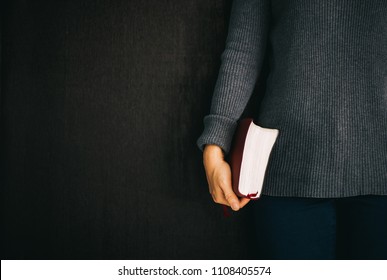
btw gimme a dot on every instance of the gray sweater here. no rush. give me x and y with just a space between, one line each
326 92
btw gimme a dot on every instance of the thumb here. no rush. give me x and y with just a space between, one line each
231 198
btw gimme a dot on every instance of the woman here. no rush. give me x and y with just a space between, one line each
325 188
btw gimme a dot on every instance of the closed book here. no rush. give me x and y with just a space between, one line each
248 157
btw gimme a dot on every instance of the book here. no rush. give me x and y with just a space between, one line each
248 157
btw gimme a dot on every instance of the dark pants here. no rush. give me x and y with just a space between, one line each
321 228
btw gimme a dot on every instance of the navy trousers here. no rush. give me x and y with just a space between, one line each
321 228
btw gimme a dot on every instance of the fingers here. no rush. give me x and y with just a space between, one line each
218 194
218 198
231 198
222 192
243 201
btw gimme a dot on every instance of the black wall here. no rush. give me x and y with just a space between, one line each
101 105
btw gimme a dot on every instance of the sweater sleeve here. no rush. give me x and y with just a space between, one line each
241 63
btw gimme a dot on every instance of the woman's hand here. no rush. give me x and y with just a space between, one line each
218 175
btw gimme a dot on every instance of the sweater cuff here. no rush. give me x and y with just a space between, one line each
218 130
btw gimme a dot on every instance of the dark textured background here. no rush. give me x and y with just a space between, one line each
101 105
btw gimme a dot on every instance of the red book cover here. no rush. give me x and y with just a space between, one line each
236 153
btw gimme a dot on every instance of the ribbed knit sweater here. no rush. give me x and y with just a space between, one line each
326 92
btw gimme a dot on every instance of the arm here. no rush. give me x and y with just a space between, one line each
241 63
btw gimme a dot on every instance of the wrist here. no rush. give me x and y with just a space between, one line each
213 150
